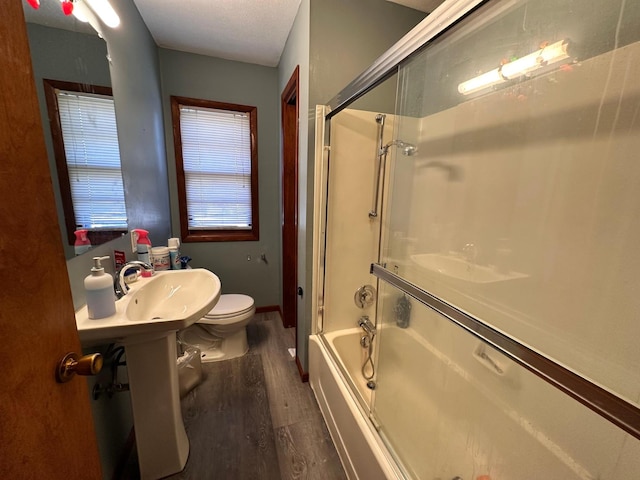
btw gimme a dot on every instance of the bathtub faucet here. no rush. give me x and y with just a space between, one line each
366 325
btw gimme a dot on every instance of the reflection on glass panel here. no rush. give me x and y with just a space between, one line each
521 205
451 406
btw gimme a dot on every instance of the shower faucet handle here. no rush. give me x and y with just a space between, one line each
367 325
365 296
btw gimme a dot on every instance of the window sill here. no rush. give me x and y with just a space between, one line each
220 236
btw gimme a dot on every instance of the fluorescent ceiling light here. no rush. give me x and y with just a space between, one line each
538 60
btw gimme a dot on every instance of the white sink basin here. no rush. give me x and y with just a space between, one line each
168 301
459 269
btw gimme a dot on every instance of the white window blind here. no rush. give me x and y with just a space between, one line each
90 139
216 155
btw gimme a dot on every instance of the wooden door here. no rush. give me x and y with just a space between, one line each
46 429
289 108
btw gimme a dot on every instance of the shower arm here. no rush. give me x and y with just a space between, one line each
381 155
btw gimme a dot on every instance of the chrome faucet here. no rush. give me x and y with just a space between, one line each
366 325
119 285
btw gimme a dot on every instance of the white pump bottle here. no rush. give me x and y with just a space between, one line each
101 299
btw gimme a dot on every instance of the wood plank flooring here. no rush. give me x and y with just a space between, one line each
228 423
304 446
252 418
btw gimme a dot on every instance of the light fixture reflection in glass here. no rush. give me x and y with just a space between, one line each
540 59
480 82
105 12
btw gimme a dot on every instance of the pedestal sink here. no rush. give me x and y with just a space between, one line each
145 322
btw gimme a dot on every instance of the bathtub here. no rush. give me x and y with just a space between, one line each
422 393
361 451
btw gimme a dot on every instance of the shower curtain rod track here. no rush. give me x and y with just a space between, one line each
608 405
443 17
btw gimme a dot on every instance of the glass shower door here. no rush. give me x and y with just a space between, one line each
449 405
520 211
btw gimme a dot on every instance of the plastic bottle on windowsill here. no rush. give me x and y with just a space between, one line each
184 261
82 243
143 247
174 253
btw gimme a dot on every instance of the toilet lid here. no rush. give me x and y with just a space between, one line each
231 304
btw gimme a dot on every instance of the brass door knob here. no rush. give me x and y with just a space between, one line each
72 364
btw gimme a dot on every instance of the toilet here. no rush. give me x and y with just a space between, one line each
222 334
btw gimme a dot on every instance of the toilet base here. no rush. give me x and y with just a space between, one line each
222 348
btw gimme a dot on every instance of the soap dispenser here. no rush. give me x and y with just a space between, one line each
101 299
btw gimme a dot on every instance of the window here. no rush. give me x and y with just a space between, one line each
85 142
217 169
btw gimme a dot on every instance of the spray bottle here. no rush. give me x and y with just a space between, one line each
82 243
143 247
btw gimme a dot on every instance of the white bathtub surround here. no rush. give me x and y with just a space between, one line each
353 235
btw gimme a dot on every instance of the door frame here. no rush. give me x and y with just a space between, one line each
289 103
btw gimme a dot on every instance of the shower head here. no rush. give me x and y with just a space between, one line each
408 149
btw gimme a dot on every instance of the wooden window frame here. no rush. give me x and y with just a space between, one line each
96 237
215 235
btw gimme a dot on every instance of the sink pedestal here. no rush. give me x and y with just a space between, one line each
162 443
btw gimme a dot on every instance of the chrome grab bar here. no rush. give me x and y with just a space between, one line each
380 153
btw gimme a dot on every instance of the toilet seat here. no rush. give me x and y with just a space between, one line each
229 309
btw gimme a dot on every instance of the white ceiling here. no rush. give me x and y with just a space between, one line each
252 31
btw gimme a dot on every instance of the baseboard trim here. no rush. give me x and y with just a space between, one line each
304 376
269 308
127 450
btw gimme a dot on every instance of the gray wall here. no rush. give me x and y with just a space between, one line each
238 264
342 43
73 57
296 53
135 79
